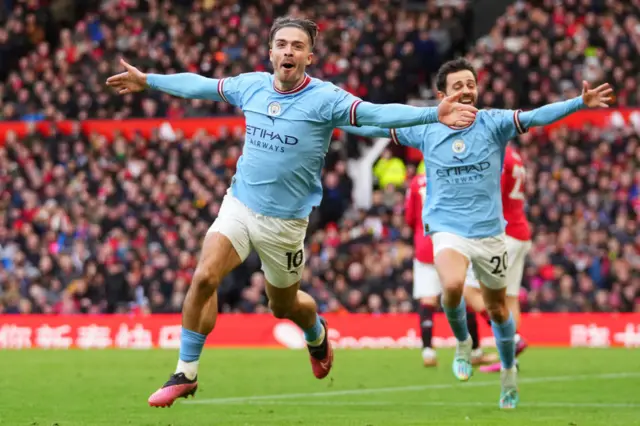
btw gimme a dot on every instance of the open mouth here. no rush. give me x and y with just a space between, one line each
287 66
466 101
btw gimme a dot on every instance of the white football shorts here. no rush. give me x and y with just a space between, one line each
517 251
426 282
488 256
278 242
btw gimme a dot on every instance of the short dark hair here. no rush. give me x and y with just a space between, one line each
450 67
306 25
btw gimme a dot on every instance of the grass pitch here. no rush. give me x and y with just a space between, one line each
571 387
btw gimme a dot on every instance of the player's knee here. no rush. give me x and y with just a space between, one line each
205 280
280 311
497 310
453 288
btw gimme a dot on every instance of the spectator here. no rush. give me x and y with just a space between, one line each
390 170
168 37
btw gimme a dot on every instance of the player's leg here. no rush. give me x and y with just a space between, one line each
490 265
426 309
224 247
517 252
517 257
504 330
200 309
280 245
475 304
451 263
473 299
426 289
299 307
513 304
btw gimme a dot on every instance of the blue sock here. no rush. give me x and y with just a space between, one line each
505 334
311 334
457 318
191 344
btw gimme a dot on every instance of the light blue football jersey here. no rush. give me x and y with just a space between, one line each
287 133
287 138
463 166
463 170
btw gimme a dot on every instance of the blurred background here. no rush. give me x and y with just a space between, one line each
110 221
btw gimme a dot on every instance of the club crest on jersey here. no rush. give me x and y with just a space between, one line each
274 109
458 146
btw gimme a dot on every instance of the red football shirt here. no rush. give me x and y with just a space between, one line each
512 184
414 201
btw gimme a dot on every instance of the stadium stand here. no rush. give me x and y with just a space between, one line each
355 50
92 226
539 51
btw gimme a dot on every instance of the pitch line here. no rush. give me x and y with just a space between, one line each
414 388
442 404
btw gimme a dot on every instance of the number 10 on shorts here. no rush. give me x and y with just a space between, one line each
294 260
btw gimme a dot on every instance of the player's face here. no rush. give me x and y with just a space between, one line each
462 81
290 54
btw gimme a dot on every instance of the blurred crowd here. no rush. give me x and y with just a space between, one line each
88 225
92 226
373 48
584 204
540 51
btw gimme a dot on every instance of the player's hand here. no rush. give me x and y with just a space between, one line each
454 114
600 97
130 81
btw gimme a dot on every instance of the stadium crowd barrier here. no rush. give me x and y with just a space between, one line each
353 331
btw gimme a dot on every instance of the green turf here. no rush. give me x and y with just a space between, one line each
80 388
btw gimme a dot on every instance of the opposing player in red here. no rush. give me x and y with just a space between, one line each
518 242
426 283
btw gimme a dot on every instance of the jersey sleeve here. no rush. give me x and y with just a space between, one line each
507 124
230 89
367 131
194 86
409 136
510 123
349 110
341 105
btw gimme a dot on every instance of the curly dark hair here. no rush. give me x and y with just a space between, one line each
450 67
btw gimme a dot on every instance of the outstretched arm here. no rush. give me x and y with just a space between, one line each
518 122
408 136
599 97
184 85
367 131
549 113
394 115
350 110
